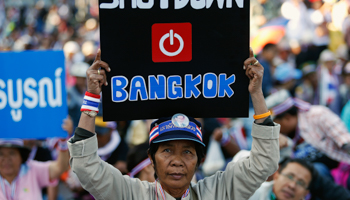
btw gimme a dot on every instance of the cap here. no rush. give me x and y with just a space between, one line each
79 69
177 127
327 55
16 143
308 68
102 127
285 72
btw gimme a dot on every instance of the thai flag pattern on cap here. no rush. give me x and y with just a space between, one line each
168 126
153 133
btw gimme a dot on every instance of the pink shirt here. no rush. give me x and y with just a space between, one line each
33 176
325 131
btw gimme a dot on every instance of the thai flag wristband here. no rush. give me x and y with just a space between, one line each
62 145
91 102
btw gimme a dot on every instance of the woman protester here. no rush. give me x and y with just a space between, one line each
175 152
23 178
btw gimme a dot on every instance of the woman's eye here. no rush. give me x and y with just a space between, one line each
167 150
188 152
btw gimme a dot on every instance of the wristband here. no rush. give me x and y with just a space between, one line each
62 145
91 102
262 115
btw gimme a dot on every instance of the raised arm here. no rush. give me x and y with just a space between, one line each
251 172
255 72
241 179
99 178
96 77
60 165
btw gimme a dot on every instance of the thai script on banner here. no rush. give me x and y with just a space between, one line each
33 96
30 93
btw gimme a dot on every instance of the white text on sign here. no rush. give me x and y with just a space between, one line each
32 98
171 87
164 4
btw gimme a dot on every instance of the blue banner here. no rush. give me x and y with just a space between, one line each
32 94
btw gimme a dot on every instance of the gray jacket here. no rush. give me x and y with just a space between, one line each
239 181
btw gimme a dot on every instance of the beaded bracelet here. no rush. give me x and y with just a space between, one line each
62 145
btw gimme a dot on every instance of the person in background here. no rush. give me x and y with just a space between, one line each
342 58
139 165
291 181
111 148
307 90
295 179
345 115
329 82
75 94
318 134
286 77
42 154
21 178
228 143
268 53
137 132
344 88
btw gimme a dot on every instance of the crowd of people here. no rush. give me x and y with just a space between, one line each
306 85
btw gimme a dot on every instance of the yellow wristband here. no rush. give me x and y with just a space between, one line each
262 115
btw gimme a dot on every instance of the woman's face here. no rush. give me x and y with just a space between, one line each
10 161
176 163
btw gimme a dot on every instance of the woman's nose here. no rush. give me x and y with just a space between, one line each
177 161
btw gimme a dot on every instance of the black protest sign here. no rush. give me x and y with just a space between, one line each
175 56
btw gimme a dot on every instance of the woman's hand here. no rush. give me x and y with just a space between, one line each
96 75
255 72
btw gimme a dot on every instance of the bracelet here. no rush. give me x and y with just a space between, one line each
262 115
91 102
62 145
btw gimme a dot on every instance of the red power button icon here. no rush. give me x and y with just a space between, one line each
172 42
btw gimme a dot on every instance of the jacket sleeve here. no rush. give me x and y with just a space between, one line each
101 179
241 179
